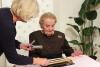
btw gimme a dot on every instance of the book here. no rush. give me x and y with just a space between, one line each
60 62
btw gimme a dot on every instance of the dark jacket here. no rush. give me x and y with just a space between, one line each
8 43
53 46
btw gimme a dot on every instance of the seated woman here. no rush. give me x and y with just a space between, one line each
53 42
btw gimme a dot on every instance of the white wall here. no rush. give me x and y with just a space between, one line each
97 39
64 9
2 61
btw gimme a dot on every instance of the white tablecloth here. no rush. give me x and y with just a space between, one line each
80 61
84 61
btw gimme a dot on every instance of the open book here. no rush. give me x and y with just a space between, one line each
59 62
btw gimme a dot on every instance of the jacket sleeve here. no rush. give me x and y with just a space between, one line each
17 44
31 38
7 43
67 50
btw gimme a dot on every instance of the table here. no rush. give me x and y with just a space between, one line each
84 61
80 61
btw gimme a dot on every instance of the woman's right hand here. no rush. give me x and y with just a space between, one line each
41 61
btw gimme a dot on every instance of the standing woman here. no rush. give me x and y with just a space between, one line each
19 11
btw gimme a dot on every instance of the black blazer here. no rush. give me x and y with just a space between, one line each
53 46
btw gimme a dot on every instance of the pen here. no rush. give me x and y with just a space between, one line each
36 46
32 42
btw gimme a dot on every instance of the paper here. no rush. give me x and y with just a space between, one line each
84 61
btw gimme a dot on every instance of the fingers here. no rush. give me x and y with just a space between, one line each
27 47
77 53
41 61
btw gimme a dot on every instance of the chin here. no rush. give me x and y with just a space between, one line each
50 35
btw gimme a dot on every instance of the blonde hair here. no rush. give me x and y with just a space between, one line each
45 16
25 9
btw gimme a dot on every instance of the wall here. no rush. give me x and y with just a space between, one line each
64 9
97 39
0 3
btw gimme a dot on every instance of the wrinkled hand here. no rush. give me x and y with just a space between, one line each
41 61
26 46
77 53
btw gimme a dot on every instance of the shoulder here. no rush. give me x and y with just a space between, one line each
5 14
35 32
4 10
58 32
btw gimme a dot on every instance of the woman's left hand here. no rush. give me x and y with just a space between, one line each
77 53
26 46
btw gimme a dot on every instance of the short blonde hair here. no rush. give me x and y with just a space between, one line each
45 16
25 9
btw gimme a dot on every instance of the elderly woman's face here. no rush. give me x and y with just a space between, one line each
48 26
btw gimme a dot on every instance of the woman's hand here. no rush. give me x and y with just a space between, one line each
26 46
77 53
41 61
